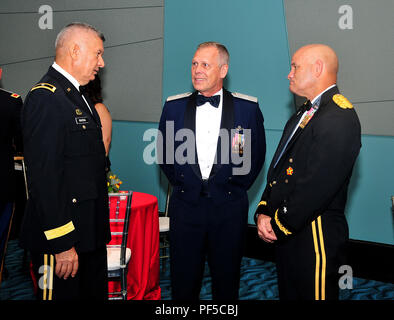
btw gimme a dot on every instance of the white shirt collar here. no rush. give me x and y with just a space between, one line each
66 74
71 79
315 98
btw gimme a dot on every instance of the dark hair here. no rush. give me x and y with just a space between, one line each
93 90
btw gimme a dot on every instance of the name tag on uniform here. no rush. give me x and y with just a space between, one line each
81 120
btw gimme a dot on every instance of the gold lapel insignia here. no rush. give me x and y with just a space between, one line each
78 112
47 86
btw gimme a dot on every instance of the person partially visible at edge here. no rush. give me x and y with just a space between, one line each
10 145
94 92
208 207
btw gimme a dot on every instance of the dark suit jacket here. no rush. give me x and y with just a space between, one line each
223 185
312 176
65 159
10 141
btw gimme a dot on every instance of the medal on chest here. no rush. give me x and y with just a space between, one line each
238 141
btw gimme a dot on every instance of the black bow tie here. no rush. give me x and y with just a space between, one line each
214 100
83 90
306 106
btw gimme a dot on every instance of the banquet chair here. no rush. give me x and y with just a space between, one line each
118 255
164 227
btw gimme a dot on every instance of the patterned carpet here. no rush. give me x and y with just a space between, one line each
258 282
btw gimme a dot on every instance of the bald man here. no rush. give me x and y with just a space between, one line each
66 223
302 207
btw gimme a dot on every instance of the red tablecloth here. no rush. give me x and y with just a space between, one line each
143 240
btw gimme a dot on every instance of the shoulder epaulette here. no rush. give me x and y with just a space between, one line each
342 102
244 96
12 94
179 96
47 86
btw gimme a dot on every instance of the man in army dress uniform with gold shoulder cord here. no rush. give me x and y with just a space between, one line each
302 207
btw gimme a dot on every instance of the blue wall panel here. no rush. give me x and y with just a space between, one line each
369 205
126 157
255 33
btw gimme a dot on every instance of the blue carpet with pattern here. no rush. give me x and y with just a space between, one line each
258 282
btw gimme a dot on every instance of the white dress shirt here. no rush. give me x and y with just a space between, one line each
71 79
208 120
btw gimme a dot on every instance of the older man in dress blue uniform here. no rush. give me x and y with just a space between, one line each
224 152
